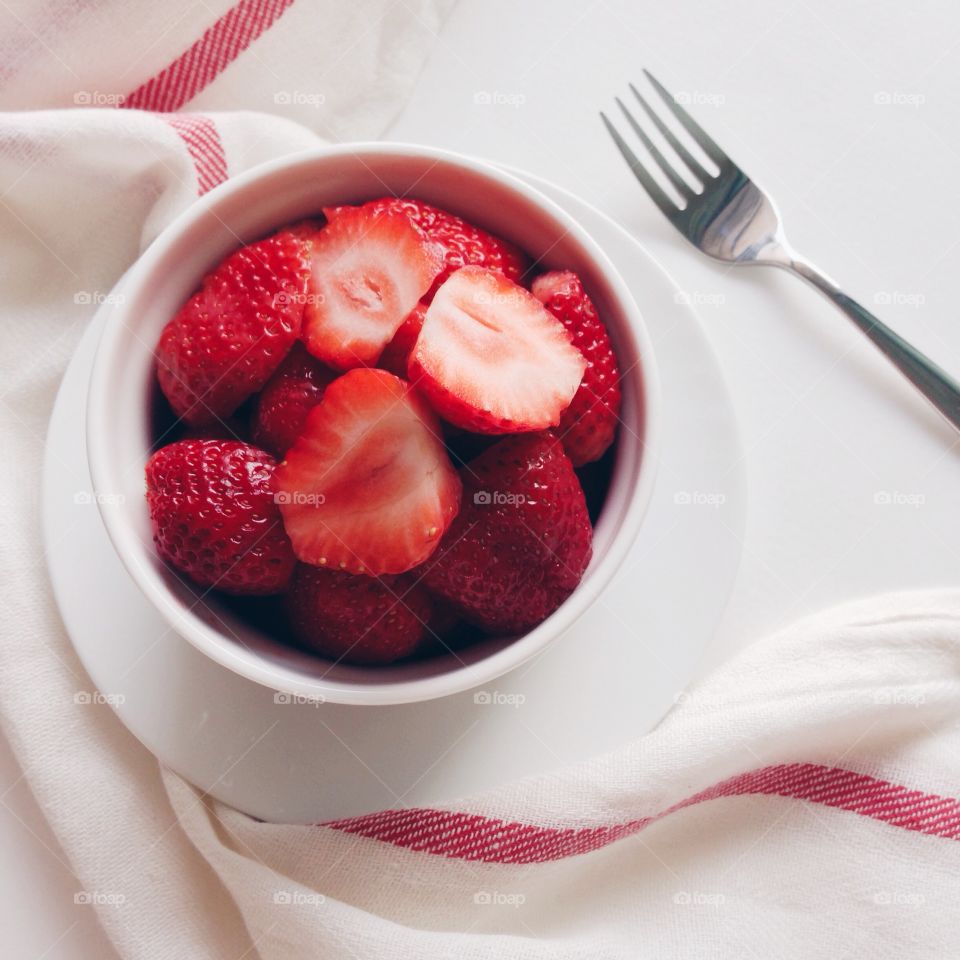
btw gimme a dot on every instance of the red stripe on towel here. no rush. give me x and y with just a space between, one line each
199 65
468 836
200 135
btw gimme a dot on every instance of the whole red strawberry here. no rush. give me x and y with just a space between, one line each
214 516
462 243
522 539
289 395
229 337
357 619
589 424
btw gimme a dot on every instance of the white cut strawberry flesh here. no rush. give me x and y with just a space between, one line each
368 270
490 358
368 486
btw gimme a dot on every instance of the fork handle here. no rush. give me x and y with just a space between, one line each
933 382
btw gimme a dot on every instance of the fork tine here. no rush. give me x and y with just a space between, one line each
693 128
681 185
666 205
681 151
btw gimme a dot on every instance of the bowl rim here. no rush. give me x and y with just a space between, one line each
287 679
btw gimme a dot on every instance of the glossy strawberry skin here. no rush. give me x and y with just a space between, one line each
589 425
521 541
463 244
356 619
295 388
230 336
214 516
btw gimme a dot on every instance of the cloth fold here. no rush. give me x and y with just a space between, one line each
800 802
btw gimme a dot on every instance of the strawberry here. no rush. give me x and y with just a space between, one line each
462 243
357 619
228 338
522 539
368 487
396 355
214 516
589 424
368 270
288 396
490 358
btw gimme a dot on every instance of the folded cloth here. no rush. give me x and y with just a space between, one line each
799 803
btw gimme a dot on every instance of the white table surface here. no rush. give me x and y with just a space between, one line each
848 114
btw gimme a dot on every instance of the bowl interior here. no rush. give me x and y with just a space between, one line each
121 428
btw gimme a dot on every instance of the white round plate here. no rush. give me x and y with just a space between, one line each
609 679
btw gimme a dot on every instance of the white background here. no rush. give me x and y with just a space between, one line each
850 115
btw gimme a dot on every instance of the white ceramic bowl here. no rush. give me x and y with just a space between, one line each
119 428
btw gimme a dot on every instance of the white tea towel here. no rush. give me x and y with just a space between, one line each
800 803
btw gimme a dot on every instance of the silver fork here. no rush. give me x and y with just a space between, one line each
734 221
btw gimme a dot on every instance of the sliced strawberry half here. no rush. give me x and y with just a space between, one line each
368 486
492 359
368 271
462 243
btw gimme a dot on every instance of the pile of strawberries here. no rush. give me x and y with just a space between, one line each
381 423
